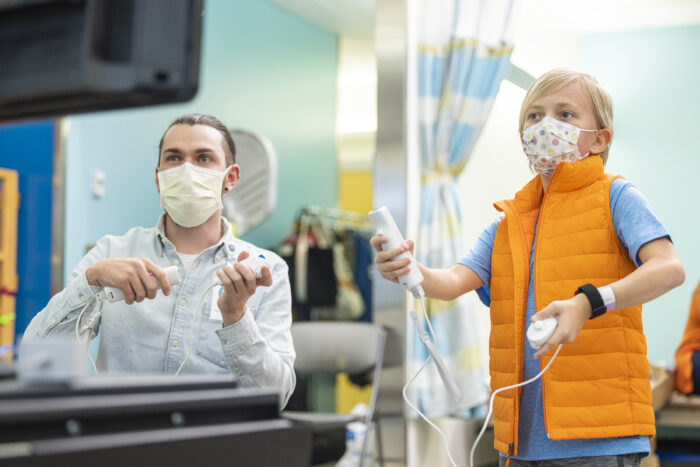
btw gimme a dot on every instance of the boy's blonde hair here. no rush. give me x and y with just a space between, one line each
556 79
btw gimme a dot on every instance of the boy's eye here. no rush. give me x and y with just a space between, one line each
532 116
566 114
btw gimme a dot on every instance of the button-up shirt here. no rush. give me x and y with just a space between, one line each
154 336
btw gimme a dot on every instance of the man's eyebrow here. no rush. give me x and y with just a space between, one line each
197 151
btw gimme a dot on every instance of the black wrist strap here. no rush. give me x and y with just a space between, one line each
597 305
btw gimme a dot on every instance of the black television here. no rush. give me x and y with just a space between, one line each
147 421
61 57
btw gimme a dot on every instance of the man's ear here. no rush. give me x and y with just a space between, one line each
157 184
232 177
602 141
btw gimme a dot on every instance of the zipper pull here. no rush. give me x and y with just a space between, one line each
511 447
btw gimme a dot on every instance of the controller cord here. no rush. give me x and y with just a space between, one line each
486 422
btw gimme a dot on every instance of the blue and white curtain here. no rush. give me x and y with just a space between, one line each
463 54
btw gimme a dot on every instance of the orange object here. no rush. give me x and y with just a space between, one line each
689 344
9 205
598 386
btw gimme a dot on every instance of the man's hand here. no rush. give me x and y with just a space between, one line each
133 276
239 285
571 315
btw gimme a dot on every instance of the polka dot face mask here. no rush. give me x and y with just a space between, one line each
549 142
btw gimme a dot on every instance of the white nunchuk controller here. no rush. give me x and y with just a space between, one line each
384 225
540 331
255 264
114 294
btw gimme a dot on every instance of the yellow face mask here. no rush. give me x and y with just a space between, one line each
191 194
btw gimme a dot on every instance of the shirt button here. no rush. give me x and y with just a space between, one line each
182 302
238 373
218 257
223 341
82 298
176 343
53 321
176 261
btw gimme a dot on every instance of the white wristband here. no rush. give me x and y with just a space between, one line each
608 297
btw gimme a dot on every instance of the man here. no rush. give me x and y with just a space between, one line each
242 326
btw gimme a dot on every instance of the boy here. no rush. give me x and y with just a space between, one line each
586 248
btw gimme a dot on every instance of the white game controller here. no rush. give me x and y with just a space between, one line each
255 264
540 331
113 294
385 225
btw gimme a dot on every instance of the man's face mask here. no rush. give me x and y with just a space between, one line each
191 194
549 142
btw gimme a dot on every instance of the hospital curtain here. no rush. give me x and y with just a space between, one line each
463 54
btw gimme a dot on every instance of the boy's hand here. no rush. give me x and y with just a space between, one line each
389 268
571 315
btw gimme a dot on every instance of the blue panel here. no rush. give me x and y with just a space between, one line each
28 148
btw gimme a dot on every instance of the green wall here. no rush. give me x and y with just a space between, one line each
263 69
653 78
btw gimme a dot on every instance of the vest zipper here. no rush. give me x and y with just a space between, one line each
511 446
534 283
520 370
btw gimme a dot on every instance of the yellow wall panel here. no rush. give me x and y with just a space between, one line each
355 194
355 191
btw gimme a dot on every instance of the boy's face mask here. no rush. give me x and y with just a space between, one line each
191 194
549 142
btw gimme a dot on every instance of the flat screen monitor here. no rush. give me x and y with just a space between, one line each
61 57
146 421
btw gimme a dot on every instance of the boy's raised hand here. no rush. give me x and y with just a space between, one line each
389 268
571 315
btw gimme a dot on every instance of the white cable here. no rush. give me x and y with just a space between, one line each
194 318
100 297
488 416
418 293
405 397
77 325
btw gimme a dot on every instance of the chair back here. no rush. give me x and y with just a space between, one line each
334 347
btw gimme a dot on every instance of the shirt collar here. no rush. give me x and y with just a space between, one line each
228 242
160 234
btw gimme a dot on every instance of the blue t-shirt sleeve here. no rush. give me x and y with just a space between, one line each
479 259
635 221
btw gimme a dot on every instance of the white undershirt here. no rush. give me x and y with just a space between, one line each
187 260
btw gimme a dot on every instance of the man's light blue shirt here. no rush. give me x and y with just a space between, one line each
154 336
635 224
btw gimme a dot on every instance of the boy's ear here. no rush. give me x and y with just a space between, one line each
602 141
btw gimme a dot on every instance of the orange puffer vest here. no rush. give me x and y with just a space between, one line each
598 386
